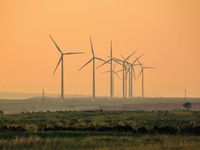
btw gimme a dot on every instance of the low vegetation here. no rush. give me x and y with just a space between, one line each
99 129
187 105
158 142
176 122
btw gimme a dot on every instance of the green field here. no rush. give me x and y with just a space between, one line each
32 121
31 139
102 142
37 114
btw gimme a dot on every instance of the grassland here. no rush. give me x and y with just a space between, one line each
51 113
31 139
33 121
158 142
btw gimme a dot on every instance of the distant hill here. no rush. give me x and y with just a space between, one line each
16 95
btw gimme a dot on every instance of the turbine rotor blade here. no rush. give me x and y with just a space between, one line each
127 70
86 64
137 58
92 46
100 59
149 67
135 64
105 71
139 74
130 55
117 62
58 64
119 70
103 64
133 71
114 66
117 59
122 57
56 44
125 66
127 61
139 62
73 53
117 75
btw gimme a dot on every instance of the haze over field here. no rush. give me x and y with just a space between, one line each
167 32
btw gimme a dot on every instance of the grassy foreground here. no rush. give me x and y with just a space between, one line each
65 116
149 142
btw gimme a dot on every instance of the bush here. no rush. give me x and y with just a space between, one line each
87 121
159 112
166 113
187 105
42 125
72 122
1 111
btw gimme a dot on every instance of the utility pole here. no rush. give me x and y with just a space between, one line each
43 98
185 93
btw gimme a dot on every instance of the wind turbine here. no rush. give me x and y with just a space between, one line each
141 72
92 59
113 72
124 68
62 72
130 71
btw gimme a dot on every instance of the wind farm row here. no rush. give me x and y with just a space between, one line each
127 70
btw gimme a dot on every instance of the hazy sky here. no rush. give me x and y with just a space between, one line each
166 31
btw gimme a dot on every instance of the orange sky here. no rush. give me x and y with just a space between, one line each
167 32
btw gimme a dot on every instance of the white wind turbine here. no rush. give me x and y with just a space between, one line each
92 59
125 76
61 60
141 72
131 74
124 68
111 70
112 78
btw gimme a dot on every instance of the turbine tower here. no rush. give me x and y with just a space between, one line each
62 72
113 72
131 73
141 72
92 59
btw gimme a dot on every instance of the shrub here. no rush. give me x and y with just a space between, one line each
1 111
87 120
166 113
159 113
42 125
187 105
72 122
